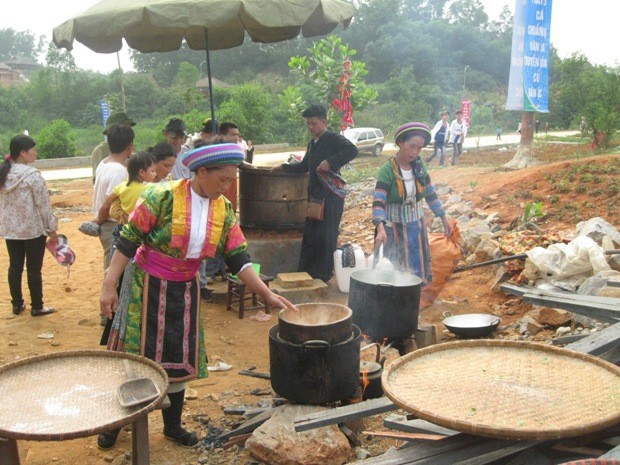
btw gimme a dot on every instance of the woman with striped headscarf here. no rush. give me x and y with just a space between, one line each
173 228
397 209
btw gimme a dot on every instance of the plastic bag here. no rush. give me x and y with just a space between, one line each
445 254
581 256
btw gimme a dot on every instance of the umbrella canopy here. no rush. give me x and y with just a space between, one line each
161 25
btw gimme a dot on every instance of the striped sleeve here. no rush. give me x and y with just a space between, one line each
382 191
432 199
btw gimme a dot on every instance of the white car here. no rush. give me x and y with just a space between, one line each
369 140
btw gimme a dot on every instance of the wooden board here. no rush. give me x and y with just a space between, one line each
400 423
249 425
292 280
427 450
342 414
598 343
602 308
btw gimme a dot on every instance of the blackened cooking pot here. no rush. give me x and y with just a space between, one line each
471 325
385 303
316 321
314 372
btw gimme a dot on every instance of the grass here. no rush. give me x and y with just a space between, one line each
358 174
147 135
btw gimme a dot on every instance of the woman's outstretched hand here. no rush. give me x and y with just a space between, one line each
275 300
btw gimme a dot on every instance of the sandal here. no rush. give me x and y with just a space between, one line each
219 366
181 436
41 311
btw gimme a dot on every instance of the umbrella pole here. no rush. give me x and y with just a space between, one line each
213 130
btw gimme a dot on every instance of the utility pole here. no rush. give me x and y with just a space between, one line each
464 79
122 76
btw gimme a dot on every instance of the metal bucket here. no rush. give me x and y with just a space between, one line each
272 200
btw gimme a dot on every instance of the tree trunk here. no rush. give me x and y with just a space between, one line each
525 153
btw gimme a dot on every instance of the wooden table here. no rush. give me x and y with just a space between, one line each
70 395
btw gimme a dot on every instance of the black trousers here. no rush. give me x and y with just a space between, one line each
320 241
30 251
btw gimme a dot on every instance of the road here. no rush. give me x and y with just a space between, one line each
271 159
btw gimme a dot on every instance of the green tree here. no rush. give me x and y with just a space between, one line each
318 77
468 12
143 97
188 75
164 66
15 44
56 140
602 111
250 106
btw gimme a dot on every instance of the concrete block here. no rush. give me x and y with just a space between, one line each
300 295
276 254
292 280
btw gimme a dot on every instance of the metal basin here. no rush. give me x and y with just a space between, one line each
471 325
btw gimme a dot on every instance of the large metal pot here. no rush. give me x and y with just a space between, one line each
385 303
471 325
316 321
314 372
272 200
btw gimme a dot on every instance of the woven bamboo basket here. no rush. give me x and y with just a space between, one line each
506 389
71 394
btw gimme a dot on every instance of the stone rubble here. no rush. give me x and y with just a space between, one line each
483 239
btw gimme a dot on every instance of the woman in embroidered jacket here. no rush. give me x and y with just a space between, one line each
397 208
26 222
174 226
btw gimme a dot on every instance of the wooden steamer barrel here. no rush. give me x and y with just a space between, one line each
272 200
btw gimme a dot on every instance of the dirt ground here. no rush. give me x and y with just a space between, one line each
243 343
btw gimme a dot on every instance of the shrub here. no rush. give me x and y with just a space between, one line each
56 140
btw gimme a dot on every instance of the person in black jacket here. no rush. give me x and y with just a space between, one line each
326 153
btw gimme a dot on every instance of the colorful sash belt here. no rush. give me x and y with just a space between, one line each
164 266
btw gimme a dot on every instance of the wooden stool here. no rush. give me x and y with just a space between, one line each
237 295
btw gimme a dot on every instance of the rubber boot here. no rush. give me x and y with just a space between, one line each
107 440
172 422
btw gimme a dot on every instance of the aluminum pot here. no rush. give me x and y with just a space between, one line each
385 303
471 325
314 372
316 321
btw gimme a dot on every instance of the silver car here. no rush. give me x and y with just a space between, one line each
369 140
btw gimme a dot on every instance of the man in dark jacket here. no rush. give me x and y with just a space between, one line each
327 152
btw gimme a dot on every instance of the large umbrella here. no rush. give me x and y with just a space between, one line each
162 25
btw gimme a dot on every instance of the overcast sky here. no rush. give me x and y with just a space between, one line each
575 26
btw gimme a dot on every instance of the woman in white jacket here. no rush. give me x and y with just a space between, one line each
26 220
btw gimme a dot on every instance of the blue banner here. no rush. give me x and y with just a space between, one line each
514 99
105 111
536 56
528 85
